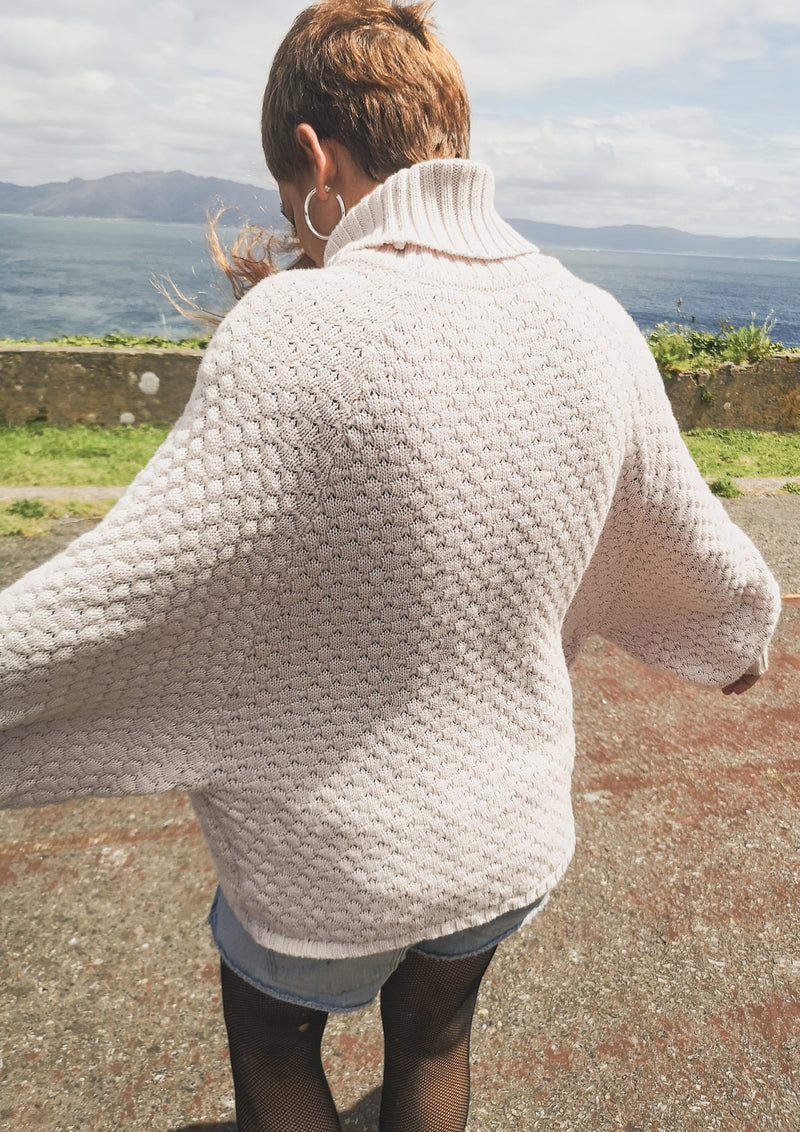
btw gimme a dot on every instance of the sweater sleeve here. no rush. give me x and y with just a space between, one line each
119 656
673 580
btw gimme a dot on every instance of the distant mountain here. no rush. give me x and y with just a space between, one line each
182 198
640 238
168 197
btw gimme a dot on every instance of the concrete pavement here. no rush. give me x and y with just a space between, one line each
658 992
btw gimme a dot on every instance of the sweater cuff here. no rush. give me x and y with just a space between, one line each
759 665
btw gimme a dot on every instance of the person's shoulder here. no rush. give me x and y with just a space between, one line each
282 340
573 288
594 309
278 308
281 296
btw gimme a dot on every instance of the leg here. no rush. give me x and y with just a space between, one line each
426 1008
278 1079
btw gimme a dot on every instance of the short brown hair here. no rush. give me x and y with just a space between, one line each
371 75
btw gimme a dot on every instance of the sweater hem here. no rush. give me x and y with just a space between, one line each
336 949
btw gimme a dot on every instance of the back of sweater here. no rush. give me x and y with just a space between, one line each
348 571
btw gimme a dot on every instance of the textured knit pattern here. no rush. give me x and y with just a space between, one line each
331 606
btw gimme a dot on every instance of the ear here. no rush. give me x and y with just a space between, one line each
321 158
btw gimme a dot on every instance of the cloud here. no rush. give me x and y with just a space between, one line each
515 47
677 166
88 88
584 109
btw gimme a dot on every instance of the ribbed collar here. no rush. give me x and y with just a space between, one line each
443 205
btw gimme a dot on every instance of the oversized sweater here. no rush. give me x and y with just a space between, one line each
338 605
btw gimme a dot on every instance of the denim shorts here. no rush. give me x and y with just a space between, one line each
340 985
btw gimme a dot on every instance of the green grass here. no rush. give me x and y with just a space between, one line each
744 452
115 340
32 516
678 347
38 455
725 487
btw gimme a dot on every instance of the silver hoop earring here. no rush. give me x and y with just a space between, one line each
310 226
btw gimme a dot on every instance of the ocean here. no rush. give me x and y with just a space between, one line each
79 276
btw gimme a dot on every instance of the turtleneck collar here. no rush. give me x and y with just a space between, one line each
443 205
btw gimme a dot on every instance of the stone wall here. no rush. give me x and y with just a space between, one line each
765 396
88 385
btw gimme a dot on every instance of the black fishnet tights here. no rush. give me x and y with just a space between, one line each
278 1079
426 1009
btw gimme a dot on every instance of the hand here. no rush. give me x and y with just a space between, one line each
740 685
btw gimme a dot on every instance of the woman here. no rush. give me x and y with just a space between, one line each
335 606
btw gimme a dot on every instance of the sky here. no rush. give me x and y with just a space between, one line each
590 112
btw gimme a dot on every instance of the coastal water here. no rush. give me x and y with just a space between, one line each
79 276
699 290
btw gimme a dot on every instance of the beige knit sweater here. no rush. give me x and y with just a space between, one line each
331 606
